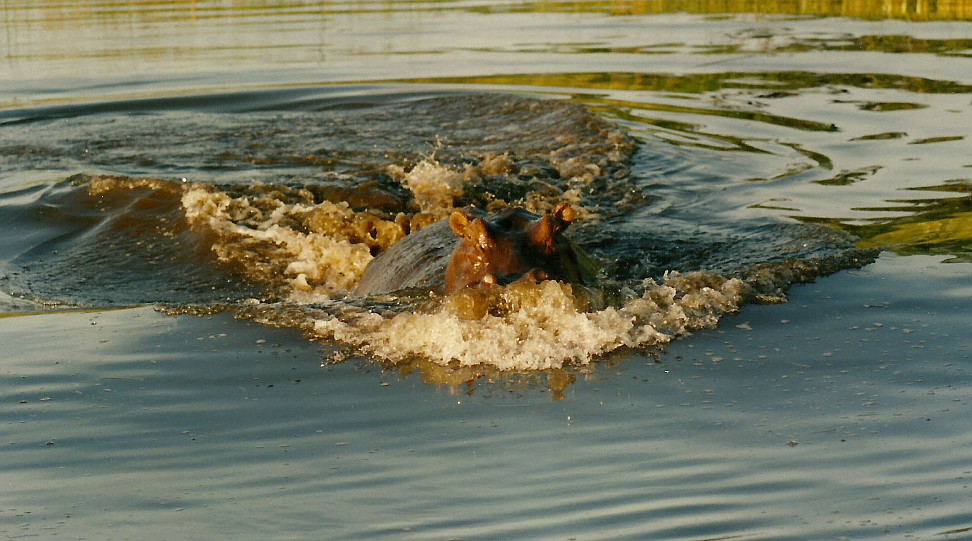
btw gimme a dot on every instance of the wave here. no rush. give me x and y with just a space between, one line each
278 224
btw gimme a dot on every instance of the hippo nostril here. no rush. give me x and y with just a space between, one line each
535 275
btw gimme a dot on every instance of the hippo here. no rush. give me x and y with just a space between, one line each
473 248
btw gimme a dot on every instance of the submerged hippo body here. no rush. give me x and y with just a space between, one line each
473 247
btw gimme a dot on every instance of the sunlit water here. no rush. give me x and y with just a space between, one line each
212 160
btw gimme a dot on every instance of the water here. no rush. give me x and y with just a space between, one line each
208 160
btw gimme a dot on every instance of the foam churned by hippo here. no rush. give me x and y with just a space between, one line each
473 247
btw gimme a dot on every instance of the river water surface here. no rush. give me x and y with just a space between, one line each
777 200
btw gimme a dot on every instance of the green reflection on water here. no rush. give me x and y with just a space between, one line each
916 10
622 110
895 43
940 226
883 106
937 226
849 177
943 139
186 10
777 85
758 116
881 136
697 83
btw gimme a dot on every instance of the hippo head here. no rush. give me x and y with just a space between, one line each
501 248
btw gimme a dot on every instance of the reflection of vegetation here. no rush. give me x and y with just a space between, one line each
682 128
792 170
882 106
895 44
849 177
770 204
915 10
933 226
881 136
697 83
777 84
758 116
918 10
943 139
883 44
821 159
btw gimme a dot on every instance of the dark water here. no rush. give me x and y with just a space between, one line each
717 158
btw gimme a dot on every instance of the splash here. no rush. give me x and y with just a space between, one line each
313 250
434 186
542 326
320 249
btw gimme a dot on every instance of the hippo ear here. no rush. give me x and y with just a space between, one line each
563 215
473 230
458 223
542 231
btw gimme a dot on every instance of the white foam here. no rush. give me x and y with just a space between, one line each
318 251
433 185
318 247
537 326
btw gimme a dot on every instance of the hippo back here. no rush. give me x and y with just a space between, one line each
418 260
